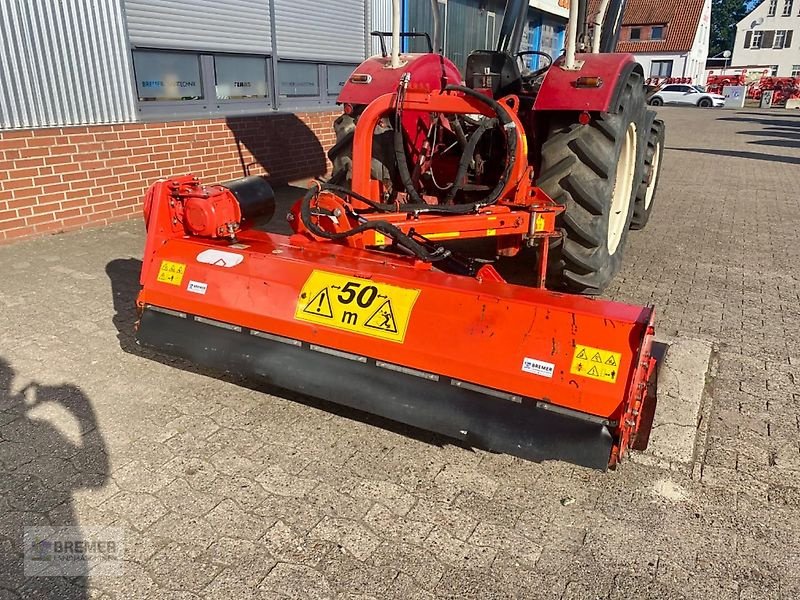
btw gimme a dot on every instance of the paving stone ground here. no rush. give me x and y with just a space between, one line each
224 491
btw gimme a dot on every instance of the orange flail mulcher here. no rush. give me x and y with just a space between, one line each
365 305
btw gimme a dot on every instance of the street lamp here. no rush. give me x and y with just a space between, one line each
725 54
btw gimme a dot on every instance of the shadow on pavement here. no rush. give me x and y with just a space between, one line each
124 277
776 121
792 160
43 461
777 143
779 132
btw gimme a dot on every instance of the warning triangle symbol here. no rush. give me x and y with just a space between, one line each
582 354
320 305
611 362
383 318
593 371
597 358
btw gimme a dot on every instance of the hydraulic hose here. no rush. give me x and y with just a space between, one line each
400 238
507 125
400 150
466 158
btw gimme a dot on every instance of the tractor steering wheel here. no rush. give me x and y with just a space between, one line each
531 74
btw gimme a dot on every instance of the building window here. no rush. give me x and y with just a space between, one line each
795 70
773 71
298 80
337 76
303 84
167 76
756 41
773 7
240 77
787 8
661 68
780 38
657 33
636 33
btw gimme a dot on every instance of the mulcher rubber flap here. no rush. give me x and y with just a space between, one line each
520 429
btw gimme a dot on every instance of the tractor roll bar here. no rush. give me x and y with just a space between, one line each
514 19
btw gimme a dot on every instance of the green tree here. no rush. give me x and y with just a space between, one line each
725 14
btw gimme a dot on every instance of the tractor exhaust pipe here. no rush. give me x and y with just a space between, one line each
437 27
570 63
395 34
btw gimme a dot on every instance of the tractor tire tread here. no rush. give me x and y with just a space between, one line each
578 171
655 136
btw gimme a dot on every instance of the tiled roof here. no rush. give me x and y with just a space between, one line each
681 17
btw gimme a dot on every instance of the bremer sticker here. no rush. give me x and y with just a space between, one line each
197 287
538 367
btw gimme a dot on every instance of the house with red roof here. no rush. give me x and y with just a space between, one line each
669 37
768 39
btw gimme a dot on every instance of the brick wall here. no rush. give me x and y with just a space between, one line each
60 179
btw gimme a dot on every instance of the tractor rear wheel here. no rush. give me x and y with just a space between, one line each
594 171
654 152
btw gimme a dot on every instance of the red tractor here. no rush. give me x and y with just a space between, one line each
591 144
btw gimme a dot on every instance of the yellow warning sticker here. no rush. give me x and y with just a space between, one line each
358 305
171 272
595 363
538 223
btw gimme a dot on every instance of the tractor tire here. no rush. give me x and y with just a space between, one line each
341 153
646 192
594 170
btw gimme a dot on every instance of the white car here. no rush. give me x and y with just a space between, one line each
686 94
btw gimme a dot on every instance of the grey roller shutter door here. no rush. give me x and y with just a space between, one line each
312 29
207 25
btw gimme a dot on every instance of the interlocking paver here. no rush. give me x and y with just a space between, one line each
227 491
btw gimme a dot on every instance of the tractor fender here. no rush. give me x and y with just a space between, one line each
559 90
374 77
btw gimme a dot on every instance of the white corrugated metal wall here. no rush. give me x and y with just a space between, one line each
381 20
68 62
64 63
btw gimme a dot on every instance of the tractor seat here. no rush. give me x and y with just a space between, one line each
494 70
